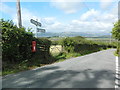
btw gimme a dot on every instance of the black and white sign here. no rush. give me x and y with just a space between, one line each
40 30
35 22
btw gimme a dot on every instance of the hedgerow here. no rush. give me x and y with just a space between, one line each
16 42
83 46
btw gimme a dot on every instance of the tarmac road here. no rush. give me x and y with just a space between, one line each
96 70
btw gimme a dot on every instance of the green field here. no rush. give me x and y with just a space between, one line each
88 38
102 39
56 38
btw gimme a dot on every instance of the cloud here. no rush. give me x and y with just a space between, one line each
90 21
67 7
89 14
106 4
73 6
98 21
88 26
48 20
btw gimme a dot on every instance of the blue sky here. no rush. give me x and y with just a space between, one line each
64 16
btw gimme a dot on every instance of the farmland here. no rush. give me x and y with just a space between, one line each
101 39
88 38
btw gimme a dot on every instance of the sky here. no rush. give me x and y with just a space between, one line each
64 16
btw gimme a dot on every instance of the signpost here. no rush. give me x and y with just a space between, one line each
40 30
36 23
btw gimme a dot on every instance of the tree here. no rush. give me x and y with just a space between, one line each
116 31
116 35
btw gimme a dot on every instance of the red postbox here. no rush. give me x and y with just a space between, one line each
33 46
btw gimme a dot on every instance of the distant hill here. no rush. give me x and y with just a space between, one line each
72 34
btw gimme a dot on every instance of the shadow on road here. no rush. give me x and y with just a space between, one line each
54 77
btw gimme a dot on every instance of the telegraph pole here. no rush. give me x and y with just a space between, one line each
118 21
19 14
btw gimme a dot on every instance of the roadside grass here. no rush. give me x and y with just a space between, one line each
63 56
60 55
19 67
116 52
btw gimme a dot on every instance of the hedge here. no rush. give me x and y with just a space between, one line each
83 46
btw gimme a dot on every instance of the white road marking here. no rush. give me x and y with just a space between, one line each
116 80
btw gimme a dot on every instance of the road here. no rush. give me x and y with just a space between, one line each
96 70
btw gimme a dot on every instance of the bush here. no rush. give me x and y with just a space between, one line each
68 44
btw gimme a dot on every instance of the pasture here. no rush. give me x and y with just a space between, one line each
99 39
